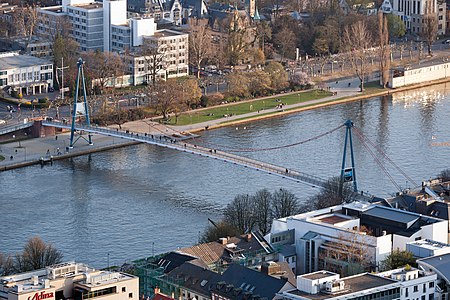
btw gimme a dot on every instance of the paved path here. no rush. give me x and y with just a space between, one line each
340 89
32 150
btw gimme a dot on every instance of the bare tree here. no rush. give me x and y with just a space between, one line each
199 42
166 96
384 48
430 26
349 254
284 203
241 38
330 194
37 254
154 55
239 213
445 175
102 66
214 232
285 40
262 210
6 264
357 40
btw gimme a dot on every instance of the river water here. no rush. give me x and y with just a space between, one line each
135 201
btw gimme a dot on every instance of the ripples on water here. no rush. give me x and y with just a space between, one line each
122 201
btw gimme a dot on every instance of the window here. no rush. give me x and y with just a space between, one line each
24 76
130 295
431 284
407 292
124 289
416 288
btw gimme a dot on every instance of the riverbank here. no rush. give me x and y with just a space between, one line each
48 149
342 96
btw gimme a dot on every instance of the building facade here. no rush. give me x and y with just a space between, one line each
345 238
69 281
25 74
169 61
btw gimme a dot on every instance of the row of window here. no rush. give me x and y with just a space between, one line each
31 76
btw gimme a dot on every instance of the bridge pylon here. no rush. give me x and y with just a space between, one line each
80 109
348 174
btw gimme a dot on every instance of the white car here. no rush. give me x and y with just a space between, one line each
2 122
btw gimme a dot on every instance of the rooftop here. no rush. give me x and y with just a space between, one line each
334 219
439 263
429 244
318 275
13 60
353 284
94 5
40 279
167 33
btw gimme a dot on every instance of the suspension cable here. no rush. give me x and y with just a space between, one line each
377 160
230 149
385 156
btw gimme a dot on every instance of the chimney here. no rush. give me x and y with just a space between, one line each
156 290
35 280
223 241
46 283
248 237
270 268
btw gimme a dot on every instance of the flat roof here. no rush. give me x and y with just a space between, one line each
167 33
21 61
354 284
89 5
334 219
318 275
396 215
428 244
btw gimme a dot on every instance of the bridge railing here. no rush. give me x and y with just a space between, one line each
14 127
173 143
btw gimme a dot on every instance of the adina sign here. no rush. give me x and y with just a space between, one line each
41 295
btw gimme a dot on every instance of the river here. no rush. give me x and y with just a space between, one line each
142 200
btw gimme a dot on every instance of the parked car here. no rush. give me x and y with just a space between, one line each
2 122
446 41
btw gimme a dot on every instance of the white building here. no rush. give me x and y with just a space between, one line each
427 248
373 229
401 284
25 74
85 18
327 285
406 76
172 47
114 13
69 281
414 283
439 264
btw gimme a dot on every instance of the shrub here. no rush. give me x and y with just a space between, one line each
204 101
43 100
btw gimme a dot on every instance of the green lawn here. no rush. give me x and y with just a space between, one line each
243 108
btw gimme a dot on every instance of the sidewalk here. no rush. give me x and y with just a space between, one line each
341 89
29 152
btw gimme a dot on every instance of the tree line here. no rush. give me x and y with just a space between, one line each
249 212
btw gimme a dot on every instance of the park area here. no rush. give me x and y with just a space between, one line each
259 105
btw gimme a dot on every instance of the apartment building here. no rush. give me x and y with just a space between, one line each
25 74
333 238
69 281
400 284
170 61
85 21
413 13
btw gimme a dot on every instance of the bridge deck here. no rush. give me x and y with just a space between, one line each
173 143
15 127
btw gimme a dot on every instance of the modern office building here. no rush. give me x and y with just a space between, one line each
346 237
69 281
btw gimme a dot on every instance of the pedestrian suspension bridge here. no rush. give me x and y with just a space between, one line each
225 153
